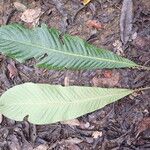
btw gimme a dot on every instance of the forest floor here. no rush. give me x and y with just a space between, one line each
123 125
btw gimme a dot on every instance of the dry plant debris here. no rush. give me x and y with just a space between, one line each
94 24
126 20
19 6
31 16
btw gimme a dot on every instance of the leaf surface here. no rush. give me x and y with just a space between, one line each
52 103
50 52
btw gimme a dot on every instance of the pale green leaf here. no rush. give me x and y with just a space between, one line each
50 52
51 103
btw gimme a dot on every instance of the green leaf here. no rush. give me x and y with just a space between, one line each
45 46
51 103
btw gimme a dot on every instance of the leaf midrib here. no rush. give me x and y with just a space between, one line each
71 54
71 102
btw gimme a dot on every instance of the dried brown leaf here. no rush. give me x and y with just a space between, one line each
126 20
13 72
143 125
19 6
94 24
97 134
73 122
31 15
118 47
108 80
41 147
74 141
13 144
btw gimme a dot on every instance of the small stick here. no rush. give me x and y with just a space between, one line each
142 89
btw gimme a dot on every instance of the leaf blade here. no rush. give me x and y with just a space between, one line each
74 53
51 103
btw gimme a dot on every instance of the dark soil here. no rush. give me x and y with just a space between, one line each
124 125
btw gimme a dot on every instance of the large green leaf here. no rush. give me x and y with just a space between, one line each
51 103
45 46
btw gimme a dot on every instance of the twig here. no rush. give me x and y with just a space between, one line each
75 15
144 67
141 67
10 16
142 89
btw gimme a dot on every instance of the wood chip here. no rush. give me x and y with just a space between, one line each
66 81
107 73
84 125
126 20
87 125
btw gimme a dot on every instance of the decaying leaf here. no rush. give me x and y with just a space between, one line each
73 140
143 125
31 15
126 20
13 72
107 73
41 147
86 125
97 134
70 143
13 143
94 24
118 47
73 122
85 2
19 6
109 79
1 8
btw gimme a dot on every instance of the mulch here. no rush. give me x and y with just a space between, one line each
125 124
